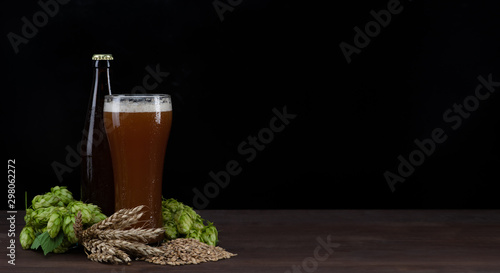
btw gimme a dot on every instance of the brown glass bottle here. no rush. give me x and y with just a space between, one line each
97 173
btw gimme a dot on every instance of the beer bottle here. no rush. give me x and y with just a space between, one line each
97 173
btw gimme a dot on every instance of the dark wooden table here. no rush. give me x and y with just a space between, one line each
381 241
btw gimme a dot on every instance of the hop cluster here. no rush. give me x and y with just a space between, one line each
113 241
54 212
181 221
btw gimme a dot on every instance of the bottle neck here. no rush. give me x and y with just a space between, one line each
102 84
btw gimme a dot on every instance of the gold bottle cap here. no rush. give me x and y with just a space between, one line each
100 57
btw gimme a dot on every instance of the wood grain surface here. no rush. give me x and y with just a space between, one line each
314 241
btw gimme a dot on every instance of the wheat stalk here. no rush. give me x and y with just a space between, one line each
134 234
110 241
113 241
104 252
121 219
77 226
135 248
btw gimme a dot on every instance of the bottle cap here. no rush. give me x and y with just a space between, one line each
100 57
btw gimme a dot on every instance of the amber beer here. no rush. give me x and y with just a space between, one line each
138 127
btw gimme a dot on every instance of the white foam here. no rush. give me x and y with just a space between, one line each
137 107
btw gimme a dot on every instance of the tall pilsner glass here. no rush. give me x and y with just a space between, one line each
138 127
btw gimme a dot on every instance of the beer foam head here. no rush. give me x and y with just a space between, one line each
137 104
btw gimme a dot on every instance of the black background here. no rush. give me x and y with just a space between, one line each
226 77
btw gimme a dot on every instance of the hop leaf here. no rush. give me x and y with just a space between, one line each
47 243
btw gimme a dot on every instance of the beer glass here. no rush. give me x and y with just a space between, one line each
138 127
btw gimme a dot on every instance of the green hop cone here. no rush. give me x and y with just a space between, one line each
93 208
86 216
195 234
27 237
36 202
171 230
96 213
27 217
78 206
63 194
68 229
198 223
183 221
45 201
33 214
172 205
166 215
189 210
97 217
91 213
62 210
40 217
209 235
54 224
